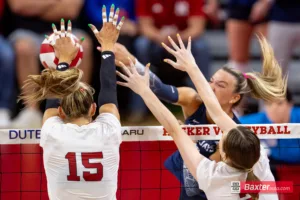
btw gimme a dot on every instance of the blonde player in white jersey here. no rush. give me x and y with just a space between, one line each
239 147
81 156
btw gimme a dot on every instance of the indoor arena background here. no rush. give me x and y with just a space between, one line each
219 41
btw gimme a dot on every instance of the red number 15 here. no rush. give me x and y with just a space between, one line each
85 158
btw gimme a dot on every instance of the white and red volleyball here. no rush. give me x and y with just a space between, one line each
47 54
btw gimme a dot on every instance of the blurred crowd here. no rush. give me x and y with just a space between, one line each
23 24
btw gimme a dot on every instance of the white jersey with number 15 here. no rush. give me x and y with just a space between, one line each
81 162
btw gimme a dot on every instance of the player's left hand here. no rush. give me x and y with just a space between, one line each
183 55
65 49
133 79
110 31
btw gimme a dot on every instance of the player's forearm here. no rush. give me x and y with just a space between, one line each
210 100
108 80
162 114
167 93
185 145
204 90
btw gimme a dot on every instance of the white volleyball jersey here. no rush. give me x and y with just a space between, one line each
81 162
215 178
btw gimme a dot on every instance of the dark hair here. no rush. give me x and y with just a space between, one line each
267 85
75 97
242 147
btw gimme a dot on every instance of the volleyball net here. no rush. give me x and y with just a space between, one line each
142 175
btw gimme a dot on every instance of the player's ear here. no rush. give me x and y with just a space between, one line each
92 110
61 113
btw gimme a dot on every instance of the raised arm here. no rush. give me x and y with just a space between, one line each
185 97
140 85
107 37
66 51
186 62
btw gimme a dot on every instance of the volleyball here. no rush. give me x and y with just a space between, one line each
47 53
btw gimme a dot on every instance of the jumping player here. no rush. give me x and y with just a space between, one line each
229 86
81 156
213 178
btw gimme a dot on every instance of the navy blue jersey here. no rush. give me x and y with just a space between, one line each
175 164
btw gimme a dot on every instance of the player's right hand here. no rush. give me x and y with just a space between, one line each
184 57
110 30
121 55
133 79
65 49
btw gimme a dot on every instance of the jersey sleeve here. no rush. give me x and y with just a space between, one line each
205 171
47 127
113 123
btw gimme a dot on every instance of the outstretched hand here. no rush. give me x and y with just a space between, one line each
136 82
183 55
110 31
65 49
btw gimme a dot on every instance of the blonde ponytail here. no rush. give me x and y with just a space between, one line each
270 84
75 97
51 84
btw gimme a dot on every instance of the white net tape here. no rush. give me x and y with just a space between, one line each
158 133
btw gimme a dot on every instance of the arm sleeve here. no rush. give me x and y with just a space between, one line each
108 80
167 93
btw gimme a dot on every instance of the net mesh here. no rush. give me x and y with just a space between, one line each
142 175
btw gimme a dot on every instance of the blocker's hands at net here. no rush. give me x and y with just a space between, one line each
184 58
65 49
121 55
133 79
110 30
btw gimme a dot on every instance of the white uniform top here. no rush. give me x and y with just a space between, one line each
215 178
81 162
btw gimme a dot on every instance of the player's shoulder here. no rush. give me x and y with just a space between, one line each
108 119
52 122
110 126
